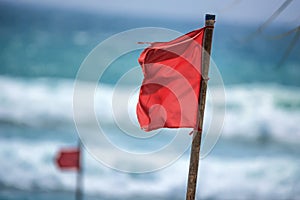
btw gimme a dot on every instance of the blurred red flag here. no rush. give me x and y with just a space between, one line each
170 90
68 159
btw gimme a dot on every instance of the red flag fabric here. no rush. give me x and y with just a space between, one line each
68 159
170 90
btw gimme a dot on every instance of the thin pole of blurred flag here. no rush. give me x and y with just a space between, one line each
197 133
79 178
70 159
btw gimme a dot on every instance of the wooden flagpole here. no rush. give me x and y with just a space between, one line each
79 183
195 150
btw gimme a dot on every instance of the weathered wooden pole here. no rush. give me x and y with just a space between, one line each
195 151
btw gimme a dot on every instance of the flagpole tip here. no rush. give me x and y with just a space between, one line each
210 20
210 17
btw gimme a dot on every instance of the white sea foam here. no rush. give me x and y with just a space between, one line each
230 178
44 102
263 112
252 111
250 178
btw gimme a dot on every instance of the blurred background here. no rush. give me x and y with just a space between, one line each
255 46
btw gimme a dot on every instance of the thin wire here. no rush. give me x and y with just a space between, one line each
290 48
276 37
269 20
283 35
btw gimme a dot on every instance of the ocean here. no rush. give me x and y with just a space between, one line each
41 51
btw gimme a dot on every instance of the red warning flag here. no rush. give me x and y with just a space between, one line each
68 159
170 90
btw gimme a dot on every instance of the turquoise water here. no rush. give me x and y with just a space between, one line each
257 156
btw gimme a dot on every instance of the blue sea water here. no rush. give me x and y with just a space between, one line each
41 50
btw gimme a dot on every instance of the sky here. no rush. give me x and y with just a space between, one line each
235 11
